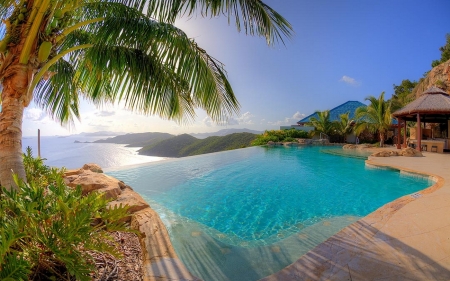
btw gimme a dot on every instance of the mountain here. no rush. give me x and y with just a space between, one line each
137 139
169 147
225 132
187 145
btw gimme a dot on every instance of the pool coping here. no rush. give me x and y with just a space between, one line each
387 244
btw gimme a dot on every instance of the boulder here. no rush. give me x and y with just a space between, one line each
130 198
350 146
94 181
73 172
383 153
411 152
291 144
271 143
92 167
364 146
394 153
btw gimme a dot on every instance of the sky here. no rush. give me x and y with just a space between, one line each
341 50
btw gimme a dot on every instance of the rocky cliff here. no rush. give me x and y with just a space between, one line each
159 258
439 76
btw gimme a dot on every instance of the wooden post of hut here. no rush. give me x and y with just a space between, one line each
419 133
404 139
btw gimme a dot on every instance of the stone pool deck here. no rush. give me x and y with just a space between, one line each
408 239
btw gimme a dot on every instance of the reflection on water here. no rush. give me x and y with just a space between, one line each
64 152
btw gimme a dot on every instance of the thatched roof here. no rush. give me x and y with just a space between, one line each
434 103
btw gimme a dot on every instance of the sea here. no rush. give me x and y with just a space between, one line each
74 151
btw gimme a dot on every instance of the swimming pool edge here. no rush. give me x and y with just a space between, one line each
339 256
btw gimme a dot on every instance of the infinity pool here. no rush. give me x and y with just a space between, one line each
247 213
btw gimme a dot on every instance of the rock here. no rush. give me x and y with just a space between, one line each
364 146
271 143
130 198
73 172
350 146
92 181
383 153
394 153
291 144
439 76
92 167
411 152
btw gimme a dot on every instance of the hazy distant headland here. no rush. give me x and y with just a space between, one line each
167 145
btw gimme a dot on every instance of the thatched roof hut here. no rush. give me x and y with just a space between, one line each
433 106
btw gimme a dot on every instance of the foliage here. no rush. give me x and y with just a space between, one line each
111 52
403 94
322 124
344 126
46 227
288 135
445 53
187 145
376 117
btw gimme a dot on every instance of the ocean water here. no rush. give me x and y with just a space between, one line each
247 213
64 152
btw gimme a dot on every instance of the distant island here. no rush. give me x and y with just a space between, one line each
167 145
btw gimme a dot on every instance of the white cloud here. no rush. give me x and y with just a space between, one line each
105 113
207 121
35 114
288 120
350 81
244 119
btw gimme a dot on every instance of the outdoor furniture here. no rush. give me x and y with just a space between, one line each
434 148
424 147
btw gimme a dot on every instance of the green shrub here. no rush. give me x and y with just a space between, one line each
279 136
289 139
46 228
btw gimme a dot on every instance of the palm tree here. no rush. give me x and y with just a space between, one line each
322 124
106 51
376 117
344 125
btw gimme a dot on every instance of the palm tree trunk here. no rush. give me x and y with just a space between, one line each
381 139
13 95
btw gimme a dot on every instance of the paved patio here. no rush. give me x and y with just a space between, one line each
408 239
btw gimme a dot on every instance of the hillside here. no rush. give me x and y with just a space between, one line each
169 147
186 145
224 132
138 139
438 76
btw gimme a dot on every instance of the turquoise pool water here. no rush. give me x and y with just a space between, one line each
244 214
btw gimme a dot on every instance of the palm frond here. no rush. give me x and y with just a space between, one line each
170 54
253 16
58 95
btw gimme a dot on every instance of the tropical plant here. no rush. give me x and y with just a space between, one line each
344 126
376 117
53 52
279 136
46 228
403 94
322 124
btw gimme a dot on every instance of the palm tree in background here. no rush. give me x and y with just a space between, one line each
56 51
376 117
344 126
322 124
